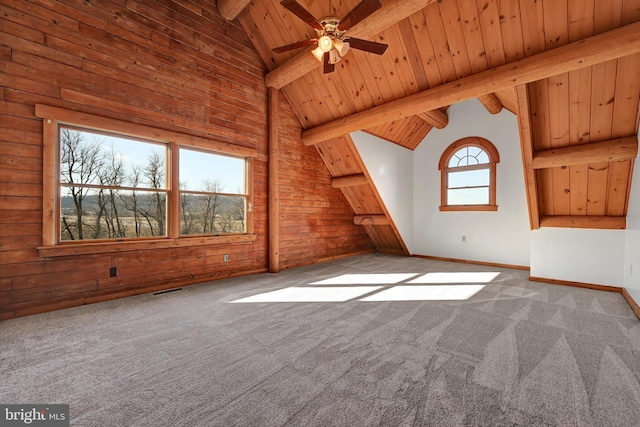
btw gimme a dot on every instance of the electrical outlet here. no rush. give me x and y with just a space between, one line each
226 258
113 272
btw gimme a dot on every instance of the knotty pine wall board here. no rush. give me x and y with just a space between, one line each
170 64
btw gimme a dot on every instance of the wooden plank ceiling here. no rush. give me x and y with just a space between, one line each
435 42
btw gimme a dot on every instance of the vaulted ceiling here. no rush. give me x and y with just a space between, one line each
439 53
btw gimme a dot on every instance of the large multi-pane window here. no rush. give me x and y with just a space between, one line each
119 182
212 193
111 187
468 170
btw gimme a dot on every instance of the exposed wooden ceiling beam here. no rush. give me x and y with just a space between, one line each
435 118
230 9
491 103
584 221
603 47
605 151
391 12
349 181
526 144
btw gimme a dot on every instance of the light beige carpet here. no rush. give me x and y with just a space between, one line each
499 353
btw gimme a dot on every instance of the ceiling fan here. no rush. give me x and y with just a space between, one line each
331 42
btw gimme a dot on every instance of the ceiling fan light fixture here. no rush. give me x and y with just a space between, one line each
334 57
325 43
318 53
341 47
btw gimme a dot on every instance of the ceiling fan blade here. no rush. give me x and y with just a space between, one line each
366 45
293 46
328 66
302 13
358 13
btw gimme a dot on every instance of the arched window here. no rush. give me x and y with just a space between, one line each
468 176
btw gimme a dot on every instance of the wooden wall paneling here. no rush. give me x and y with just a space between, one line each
607 15
450 16
415 130
579 130
627 96
539 105
630 11
539 96
602 103
556 34
272 15
580 13
559 132
511 25
376 86
363 201
385 67
184 25
397 56
618 184
473 37
489 18
532 13
354 86
426 51
440 43
178 66
339 157
349 88
332 104
508 99
308 98
311 210
580 22
625 122
13 27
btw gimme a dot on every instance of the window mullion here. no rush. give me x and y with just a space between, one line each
174 190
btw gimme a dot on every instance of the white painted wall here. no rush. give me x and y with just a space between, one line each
579 255
391 169
409 183
632 238
500 237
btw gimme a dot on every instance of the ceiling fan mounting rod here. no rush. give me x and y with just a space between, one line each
330 27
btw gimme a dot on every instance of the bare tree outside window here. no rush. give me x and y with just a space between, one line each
112 187
80 163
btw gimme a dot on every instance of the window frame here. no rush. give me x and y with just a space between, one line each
53 117
443 166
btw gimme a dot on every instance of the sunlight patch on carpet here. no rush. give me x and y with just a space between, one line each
426 293
299 294
366 279
457 277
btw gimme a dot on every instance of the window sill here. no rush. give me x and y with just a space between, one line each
481 208
119 247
